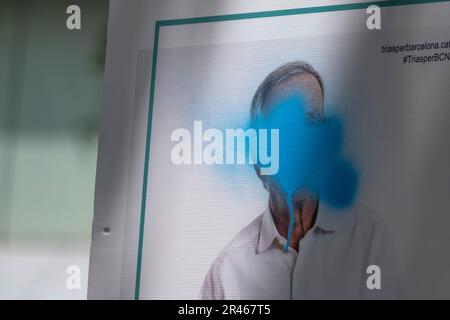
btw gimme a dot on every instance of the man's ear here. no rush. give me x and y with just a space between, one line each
264 179
269 182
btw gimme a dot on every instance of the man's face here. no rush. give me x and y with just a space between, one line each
300 101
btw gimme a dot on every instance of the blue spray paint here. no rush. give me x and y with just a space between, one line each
310 155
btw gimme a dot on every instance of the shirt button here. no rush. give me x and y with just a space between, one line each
281 241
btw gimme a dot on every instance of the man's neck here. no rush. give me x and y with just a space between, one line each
305 212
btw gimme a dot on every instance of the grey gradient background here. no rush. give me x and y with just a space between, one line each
50 94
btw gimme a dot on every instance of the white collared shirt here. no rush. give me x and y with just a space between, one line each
331 262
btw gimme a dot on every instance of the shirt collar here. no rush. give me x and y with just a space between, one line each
328 220
268 232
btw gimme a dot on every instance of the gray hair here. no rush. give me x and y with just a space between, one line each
279 75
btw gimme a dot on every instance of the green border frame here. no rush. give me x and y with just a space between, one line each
228 17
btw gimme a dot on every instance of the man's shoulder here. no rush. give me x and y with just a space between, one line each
364 215
244 242
369 224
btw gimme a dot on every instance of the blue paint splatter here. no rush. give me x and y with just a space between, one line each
310 155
